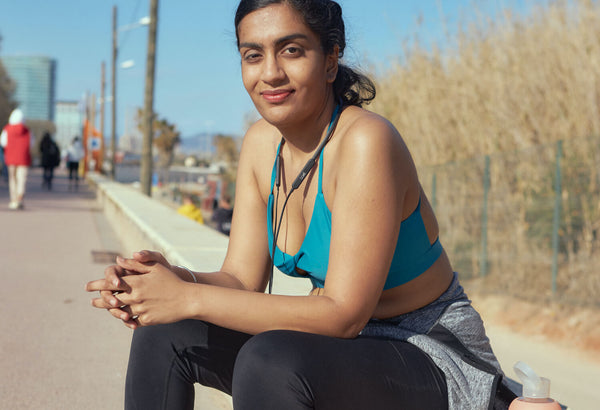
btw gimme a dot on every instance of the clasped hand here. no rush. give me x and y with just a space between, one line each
140 291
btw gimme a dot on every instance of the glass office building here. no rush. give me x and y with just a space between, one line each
68 121
35 77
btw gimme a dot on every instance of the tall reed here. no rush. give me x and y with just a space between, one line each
510 87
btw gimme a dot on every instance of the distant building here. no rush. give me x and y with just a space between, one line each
68 121
35 77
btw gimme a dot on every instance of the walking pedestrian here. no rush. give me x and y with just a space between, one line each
3 167
50 154
16 140
73 155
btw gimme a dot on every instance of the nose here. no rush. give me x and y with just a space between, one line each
273 72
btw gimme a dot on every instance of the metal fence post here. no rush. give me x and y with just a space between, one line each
556 222
483 262
434 191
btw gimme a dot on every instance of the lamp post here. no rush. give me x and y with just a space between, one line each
113 88
146 160
144 21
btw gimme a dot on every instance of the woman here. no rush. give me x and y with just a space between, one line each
386 324
50 159
16 141
74 155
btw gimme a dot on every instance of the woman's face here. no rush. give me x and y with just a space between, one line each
284 68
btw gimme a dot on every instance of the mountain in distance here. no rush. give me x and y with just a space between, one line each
198 144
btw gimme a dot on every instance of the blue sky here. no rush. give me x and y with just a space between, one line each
198 83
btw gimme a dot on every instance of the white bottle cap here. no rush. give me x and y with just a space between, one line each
534 387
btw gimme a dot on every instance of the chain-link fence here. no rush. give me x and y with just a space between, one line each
525 223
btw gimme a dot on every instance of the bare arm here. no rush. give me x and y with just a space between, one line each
368 195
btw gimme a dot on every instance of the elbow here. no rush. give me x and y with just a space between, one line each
349 328
351 332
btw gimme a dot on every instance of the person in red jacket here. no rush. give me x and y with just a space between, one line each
16 141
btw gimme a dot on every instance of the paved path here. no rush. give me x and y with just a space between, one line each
56 352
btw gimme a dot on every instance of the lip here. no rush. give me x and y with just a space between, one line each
276 96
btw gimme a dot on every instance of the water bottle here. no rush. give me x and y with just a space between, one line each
536 391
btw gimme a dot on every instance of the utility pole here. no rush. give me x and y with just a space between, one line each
113 136
91 128
146 160
102 99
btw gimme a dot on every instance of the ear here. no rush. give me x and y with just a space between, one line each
332 64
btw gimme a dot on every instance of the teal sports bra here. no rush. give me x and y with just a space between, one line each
413 255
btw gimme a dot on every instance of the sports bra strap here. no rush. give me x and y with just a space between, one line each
321 172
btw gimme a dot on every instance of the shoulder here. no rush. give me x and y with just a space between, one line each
257 156
370 153
369 136
260 138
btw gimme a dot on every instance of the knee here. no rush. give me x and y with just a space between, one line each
272 365
159 339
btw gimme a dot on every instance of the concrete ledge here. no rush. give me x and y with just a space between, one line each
141 222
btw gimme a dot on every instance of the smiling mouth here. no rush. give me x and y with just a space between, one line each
276 96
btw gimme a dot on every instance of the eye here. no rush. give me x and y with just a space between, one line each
251 56
293 51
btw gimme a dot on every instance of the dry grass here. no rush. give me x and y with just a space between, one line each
511 83
511 88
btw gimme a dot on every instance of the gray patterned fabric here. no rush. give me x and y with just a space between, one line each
451 332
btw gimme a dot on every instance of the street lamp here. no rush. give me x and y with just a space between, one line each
146 160
144 21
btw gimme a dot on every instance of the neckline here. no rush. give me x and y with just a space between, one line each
312 216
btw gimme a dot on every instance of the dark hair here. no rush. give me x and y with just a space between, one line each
324 18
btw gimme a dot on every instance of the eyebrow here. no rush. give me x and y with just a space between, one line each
277 42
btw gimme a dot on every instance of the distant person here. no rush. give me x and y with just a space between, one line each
190 210
3 168
50 159
74 155
221 217
16 140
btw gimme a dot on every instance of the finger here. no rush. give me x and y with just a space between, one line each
127 319
145 256
123 313
132 265
103 284
113 273
101 304
99 284
132 324
123 298
110 298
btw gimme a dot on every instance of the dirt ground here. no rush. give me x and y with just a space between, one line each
564 324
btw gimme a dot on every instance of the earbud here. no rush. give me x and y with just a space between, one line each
303 173
278 170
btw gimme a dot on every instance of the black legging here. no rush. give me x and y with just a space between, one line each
278 370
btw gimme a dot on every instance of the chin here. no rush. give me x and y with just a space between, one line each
276 114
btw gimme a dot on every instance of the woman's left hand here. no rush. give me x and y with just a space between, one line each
153 296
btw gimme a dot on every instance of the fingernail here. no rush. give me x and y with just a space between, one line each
113 302
116 282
